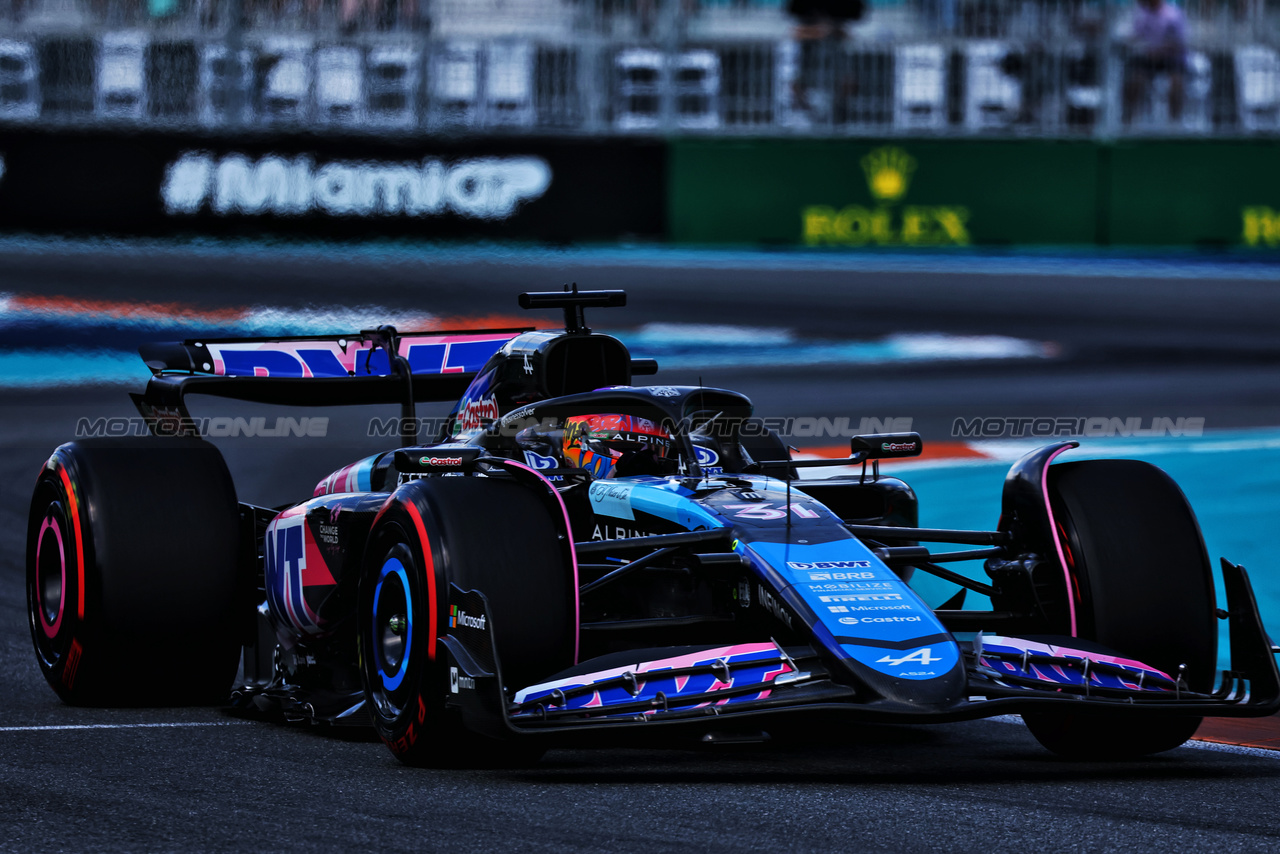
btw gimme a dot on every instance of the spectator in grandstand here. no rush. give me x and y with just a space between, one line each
353 11
819 31
1033 67
382 14
1157 45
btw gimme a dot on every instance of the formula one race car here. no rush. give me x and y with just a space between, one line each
578 560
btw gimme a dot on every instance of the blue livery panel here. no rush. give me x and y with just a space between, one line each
856 605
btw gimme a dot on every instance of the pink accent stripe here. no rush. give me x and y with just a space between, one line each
573 554
645 667
1063 651
429 570
693 658
75 524
1053 532
288 601
51 631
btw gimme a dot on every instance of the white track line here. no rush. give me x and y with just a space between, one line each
117 726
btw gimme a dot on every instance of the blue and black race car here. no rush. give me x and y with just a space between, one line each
576 559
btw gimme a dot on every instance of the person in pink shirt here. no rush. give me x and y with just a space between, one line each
1158 45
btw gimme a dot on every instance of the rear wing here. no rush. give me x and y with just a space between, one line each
369 367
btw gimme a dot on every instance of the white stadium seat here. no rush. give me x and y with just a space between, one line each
19 81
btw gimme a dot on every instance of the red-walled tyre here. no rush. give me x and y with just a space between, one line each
1144 587
485 534
132 588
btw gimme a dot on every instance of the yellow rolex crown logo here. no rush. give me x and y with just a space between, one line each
888 172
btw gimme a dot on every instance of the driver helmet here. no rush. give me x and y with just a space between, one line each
609 445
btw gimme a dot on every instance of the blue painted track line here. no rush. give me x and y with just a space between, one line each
1164 263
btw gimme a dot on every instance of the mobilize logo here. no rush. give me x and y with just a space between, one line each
462 618
460 680
481 187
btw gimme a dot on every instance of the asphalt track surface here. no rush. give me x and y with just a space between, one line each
193 779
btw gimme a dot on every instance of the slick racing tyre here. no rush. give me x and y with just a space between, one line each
132 586
1144 588
491 535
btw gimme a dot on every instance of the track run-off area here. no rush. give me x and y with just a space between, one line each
922 340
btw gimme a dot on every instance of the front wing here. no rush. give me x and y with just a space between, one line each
752 683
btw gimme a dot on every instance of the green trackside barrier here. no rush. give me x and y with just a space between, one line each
882 193
874 193
1224 193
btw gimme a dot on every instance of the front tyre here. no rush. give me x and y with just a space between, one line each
1143 587
394 642
491 535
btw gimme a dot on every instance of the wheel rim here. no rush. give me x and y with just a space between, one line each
51 573
391 636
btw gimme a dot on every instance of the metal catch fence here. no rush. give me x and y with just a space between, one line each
800 67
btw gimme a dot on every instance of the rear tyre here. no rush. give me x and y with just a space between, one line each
132 587
1144 587
491 535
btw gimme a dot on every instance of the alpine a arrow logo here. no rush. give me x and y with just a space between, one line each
920 656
